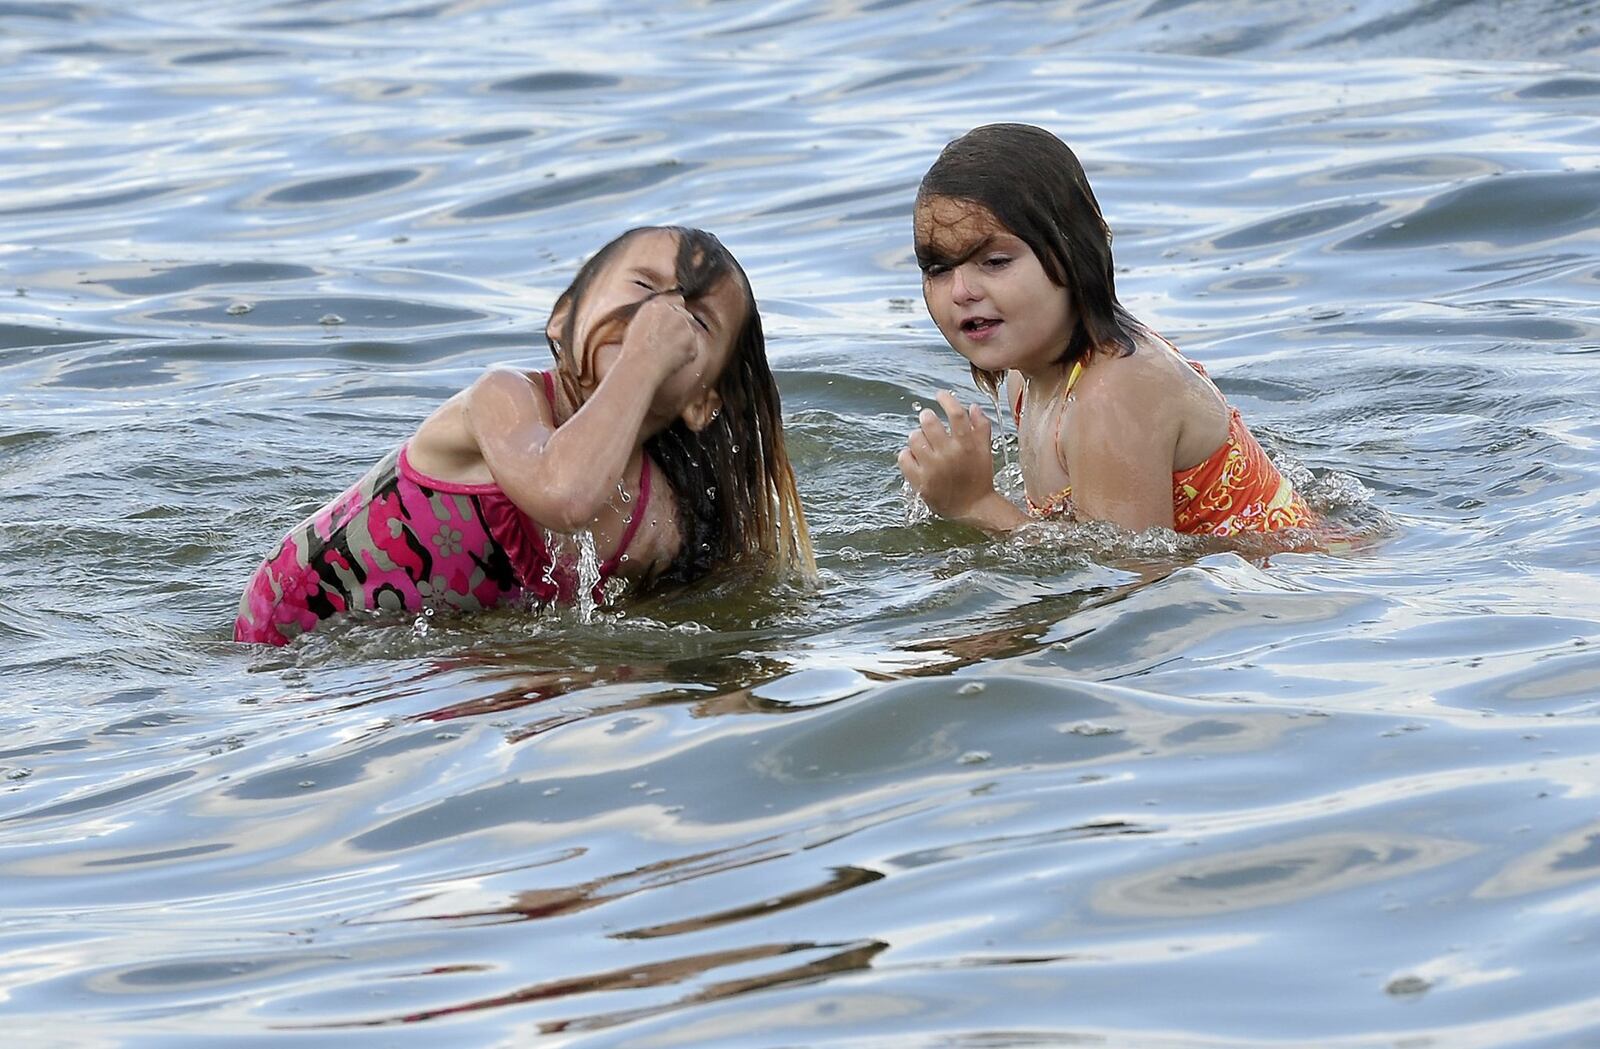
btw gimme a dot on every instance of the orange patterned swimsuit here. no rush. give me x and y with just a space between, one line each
1236 489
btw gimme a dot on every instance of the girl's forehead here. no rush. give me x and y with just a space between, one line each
951 225
658 246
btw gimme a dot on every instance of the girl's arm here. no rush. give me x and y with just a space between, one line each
952 468
563 478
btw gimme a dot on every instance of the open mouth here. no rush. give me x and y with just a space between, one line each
979 325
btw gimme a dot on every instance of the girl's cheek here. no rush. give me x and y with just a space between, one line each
605 358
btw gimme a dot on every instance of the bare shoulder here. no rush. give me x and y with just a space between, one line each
1126 390
449 443
502 388
1153 369
1156 397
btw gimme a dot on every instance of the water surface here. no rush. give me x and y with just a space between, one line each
1070 787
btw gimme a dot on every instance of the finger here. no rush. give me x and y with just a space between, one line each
917 444
681 312
980 423
932 427
960 425
910 469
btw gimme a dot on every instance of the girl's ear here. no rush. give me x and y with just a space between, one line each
700 412
558 319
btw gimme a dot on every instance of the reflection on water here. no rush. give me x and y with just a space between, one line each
1073 786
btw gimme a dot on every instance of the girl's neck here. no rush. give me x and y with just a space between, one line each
1047 382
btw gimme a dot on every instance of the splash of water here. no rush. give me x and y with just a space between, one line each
588 575
917 511
420 626
575 551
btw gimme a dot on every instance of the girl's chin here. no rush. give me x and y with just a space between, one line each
990 360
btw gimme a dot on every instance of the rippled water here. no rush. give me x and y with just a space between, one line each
1067 788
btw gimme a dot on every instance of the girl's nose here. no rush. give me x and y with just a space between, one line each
962 288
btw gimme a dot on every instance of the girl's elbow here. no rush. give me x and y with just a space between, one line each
568 507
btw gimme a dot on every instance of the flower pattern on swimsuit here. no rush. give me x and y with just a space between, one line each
366 551
1237 489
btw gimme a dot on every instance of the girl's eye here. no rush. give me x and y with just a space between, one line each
700 321
645 286
997 262
934 269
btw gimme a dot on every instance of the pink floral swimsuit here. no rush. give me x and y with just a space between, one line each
399 540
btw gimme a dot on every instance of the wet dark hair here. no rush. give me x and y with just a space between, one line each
733 483
1029 180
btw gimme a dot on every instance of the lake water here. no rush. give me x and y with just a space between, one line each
1067 788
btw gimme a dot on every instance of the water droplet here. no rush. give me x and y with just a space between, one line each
551 792
971 688
239 308
735 448
330 319
973 757
711 492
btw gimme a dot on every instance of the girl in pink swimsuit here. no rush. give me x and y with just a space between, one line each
658 432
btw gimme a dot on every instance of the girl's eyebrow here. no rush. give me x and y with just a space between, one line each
928 253
655 276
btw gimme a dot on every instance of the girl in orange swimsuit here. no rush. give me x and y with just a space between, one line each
1114 424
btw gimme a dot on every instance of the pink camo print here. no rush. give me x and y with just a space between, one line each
396 541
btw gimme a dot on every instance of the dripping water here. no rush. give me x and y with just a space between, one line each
588 575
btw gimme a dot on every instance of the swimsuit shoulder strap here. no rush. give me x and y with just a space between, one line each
1072 380
549 389
1072 377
